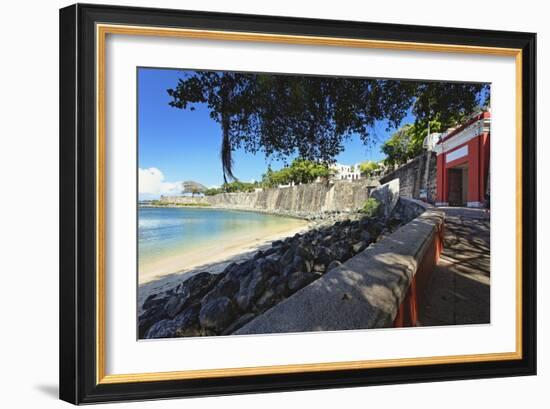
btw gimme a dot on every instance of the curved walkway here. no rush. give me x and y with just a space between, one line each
459 289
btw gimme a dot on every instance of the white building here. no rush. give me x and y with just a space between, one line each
346 172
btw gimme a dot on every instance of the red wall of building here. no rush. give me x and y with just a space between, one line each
478 168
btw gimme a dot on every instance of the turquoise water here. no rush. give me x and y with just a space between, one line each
165 232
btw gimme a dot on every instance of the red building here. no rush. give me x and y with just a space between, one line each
463 163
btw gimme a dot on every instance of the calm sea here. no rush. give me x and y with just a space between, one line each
165 232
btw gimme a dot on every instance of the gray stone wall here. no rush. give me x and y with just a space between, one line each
412 177
302 200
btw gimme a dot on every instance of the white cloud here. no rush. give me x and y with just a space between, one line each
152 184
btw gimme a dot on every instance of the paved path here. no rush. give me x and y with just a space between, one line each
458 291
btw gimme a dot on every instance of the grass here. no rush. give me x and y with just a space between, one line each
371 207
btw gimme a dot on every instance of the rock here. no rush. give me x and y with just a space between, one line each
298 263
358 247
268 266
187 322
258 255
281 288
277 243
153 300
235 270
174 305
162 329
252 287
217 314
267 299
270 251
343 223
319 268
300 279
229 285
325 256
328 239
238 323
287 257
356 233
365 222
184 324
344 233
365 236
304 251
230 267
148 318
341 251
333 264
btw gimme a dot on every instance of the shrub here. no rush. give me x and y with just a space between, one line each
371 207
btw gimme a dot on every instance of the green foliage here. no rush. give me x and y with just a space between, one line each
232 187
237 186
369 167
407 142
312 116
399 147
300 171
213 191
371 207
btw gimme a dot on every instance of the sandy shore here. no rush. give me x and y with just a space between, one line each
161 275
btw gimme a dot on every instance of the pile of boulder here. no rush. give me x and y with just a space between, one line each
218 304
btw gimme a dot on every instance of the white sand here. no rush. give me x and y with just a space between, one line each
214 260
205 256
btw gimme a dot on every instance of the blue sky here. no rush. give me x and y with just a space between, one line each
184 145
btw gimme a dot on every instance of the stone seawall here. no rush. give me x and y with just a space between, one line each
369 290
413 179
307 200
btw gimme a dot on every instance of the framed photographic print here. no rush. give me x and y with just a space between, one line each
257 203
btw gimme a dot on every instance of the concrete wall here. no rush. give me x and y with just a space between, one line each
412 177
370 290
299 200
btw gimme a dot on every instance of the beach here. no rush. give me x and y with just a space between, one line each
213 258
216 252
232 237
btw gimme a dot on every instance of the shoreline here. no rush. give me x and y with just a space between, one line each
211 259
279 213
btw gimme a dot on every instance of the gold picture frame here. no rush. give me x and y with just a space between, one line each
97 20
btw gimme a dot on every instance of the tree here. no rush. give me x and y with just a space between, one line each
407 142
311 116
369 167
213 191
237 186
397 147
192 187
300 171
